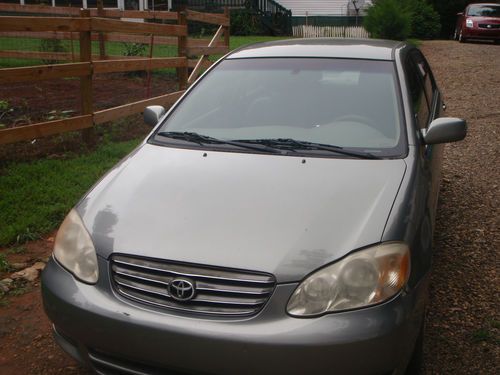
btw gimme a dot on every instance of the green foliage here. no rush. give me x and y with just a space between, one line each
37 195
4 110
58 115
134 49
245 22
388 19
4 105
425 21
4 264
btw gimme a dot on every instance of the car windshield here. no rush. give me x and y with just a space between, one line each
484 11
353 104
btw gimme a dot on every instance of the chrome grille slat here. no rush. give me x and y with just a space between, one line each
218 291
194 275
140 277
234 291
193 270
178 307
143 288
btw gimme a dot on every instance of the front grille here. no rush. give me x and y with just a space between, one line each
217 291
489 26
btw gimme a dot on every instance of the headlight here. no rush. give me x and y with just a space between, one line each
469 23
74 249
364 278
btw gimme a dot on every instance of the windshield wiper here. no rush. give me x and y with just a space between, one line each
205 139
294 145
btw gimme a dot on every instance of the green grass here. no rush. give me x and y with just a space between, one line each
36 196
238 41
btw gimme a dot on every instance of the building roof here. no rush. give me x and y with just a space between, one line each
372 49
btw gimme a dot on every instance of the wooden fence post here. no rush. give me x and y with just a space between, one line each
102 48
86 81
227 28
182 73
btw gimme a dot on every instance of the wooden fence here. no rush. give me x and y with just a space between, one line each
84 25
308 31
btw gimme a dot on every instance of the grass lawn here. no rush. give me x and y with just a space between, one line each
35 197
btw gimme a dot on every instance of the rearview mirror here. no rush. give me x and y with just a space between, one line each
153 114
444 130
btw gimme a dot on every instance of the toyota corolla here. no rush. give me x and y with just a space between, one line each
277 220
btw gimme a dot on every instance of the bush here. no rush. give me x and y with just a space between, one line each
388 19
245 22
134 49
425 21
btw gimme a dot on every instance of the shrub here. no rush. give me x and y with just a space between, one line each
245 22
134 49
425 21
388 19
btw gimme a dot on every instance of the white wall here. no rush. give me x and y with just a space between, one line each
315 8
321 7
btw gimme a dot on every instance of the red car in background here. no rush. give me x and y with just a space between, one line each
479 21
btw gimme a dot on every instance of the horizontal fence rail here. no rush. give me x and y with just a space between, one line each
69 11
83 28
305 31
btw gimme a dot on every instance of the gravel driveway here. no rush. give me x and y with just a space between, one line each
462 331
463 324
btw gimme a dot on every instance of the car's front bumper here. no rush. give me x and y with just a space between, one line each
481 33
103 330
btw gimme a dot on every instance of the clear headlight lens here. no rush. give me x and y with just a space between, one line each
469 23
364 278
74 249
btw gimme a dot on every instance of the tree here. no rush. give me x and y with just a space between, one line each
388 19
425 21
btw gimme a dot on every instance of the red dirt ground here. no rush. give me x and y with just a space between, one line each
27 346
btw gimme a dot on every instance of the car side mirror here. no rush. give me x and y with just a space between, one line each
444 130
153 114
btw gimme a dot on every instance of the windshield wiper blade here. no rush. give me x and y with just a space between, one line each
205 139
294 145
188 136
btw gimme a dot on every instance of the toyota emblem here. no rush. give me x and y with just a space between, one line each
181 289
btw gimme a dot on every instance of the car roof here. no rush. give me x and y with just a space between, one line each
372 49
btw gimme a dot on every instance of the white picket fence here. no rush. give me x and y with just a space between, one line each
309 31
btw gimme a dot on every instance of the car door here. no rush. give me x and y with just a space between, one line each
427 106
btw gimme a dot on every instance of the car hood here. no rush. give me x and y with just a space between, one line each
278 214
